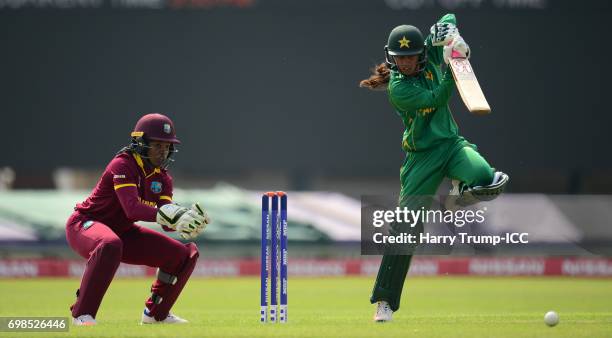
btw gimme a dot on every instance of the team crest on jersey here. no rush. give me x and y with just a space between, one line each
156 187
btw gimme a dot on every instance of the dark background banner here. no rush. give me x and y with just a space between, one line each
273 85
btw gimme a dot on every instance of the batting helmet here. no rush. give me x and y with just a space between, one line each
405 40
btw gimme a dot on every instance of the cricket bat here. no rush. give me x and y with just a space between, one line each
468 86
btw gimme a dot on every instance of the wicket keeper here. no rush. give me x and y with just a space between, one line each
419 89
135 187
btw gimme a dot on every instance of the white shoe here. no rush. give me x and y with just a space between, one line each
171 319
84 320
383 312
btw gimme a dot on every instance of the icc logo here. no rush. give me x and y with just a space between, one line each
156 187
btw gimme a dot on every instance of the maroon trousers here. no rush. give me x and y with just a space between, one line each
104 250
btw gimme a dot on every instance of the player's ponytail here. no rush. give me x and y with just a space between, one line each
379 78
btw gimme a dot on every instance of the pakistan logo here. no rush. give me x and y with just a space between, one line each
404 42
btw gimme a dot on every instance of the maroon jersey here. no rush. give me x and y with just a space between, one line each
128 191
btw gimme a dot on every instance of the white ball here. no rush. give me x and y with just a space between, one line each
551 318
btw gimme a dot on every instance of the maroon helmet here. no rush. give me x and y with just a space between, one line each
156 127
152 127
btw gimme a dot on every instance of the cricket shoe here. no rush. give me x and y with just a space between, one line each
170 319
84 320
383 312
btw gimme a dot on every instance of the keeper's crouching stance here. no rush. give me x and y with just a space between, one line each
135 187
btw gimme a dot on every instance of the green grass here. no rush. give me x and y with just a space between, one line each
335 307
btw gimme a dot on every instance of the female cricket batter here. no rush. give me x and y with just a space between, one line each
135 187
419 91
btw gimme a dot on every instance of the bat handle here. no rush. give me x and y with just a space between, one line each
456 54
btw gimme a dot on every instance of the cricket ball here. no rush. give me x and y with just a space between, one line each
551 318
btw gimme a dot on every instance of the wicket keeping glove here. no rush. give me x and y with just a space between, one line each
184 220
443 33
196 207
459 47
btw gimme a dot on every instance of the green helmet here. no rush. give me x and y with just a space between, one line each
405 40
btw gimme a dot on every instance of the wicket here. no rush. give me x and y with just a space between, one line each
272 232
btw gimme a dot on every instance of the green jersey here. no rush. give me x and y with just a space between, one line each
422 101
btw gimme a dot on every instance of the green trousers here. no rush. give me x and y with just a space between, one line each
421 175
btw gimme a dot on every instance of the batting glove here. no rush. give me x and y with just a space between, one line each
457 48
443 33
